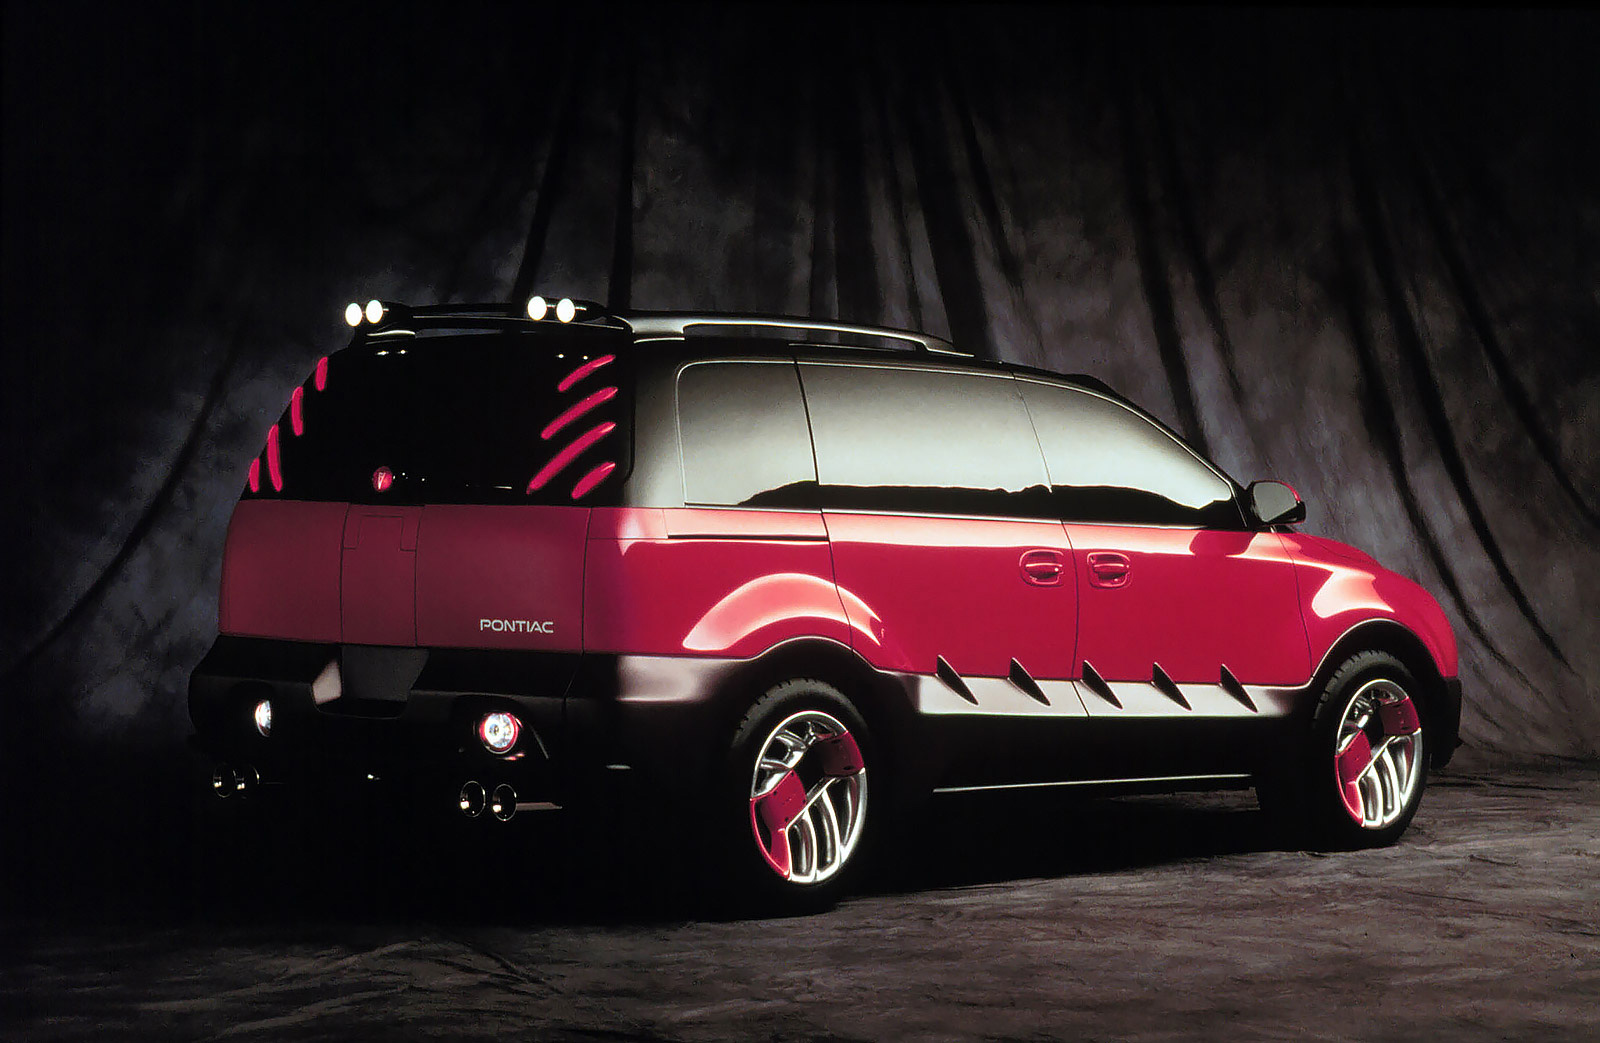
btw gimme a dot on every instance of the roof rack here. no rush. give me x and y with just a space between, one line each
397 319
670 324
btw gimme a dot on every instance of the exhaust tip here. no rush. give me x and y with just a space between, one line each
230 781
504 802
472 800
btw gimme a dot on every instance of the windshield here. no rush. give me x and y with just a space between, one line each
505 417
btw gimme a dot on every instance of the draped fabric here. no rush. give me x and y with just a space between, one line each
1357 253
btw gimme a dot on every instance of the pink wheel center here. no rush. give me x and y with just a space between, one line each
777 811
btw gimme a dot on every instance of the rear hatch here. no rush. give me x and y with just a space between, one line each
433 491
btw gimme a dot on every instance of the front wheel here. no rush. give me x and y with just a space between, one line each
1359 778
798 773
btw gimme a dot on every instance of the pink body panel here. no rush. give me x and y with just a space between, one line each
1191 600
1341 587
501 577
734 583
379 576
280 570
918 587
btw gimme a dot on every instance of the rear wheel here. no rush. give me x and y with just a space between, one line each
798 785
1359 778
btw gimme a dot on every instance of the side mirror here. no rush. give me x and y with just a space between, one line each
1274 503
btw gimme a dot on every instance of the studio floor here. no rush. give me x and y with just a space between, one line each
1140 918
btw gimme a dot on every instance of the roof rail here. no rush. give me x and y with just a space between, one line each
672 324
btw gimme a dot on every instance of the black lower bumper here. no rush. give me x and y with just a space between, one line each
355 713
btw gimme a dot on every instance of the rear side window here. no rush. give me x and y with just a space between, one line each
922 441
1109 464
742 426
513 418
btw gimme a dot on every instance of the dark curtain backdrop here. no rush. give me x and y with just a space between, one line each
1357 252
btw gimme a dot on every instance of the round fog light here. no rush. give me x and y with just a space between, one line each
263 716
499 731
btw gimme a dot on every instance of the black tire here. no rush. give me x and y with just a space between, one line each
747 847
1309 800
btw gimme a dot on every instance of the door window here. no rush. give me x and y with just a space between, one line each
1109 464
925 441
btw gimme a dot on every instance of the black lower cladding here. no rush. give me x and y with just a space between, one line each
392 713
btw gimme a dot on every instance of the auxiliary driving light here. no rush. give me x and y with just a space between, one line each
263 716
538 308
352 313
374 311
499 731
566 310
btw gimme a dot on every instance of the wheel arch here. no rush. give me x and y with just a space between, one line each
1394 638
882 699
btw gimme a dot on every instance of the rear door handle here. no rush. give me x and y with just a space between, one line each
1108 568
1042 567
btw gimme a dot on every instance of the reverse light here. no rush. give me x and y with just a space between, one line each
263 717
566 311
374 311
538 308
352 314
499 731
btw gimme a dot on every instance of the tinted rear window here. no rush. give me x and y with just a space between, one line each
483 418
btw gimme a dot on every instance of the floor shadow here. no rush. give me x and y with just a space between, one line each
153 851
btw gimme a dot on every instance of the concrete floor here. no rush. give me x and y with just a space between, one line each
1135 918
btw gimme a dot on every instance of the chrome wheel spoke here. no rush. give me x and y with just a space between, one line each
1377 763
811 829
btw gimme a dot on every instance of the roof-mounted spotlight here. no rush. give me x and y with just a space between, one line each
538 308
374 311
352 314
566 310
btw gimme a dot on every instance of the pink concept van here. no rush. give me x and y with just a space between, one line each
787 572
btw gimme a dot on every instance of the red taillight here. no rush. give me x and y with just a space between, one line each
592 479
274 465
297 420
255 475
322 373
584 370
382 478
559 462
605 394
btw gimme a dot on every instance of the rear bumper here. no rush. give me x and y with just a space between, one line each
412 715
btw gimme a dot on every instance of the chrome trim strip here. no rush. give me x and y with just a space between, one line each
1091 782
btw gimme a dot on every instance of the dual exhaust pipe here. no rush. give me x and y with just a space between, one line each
475 800
235 780
501 802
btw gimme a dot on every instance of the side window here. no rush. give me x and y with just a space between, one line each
924 441
1109 464
742 426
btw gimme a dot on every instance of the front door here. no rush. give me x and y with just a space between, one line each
1182 608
